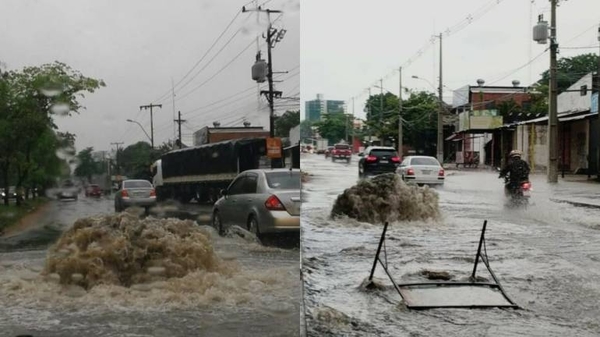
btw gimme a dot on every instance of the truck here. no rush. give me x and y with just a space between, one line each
341 151
208 135
201 172
322 145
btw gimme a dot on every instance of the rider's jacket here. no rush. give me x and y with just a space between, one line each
517 170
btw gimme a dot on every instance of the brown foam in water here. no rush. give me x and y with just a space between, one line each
121 262
123 250
387 198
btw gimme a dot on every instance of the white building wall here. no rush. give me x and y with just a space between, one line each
573 101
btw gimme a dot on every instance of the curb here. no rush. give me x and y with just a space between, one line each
576 203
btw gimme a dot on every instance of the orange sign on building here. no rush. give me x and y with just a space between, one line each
274 148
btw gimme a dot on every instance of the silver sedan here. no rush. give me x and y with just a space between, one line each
262 201
139 193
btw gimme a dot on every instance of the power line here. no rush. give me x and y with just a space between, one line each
218 72
162 97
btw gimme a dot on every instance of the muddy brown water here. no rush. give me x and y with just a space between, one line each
260 297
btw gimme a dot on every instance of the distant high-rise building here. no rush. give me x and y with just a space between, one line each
317 108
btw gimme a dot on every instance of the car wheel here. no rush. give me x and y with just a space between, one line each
253 225
217 223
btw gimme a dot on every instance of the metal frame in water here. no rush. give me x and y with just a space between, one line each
404 289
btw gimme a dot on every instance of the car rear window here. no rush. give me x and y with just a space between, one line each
342 147
283 180
137 184
381 153
424 161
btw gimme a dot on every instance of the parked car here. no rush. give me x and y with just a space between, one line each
377 160
263 201
135 192
93 190
422 170
12 192
68 190
341 151
328 151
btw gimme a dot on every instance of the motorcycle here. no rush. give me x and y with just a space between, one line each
517 193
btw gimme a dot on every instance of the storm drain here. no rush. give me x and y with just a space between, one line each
448 294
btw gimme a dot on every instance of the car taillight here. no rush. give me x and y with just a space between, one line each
395 159
371 158
441 174
410 172
124 193
273 204
153 193
526 186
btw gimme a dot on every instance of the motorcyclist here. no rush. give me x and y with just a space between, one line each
517 170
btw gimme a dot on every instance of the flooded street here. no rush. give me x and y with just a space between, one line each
260 297
547 258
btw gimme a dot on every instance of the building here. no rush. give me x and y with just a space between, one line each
317 108
481 111
578 132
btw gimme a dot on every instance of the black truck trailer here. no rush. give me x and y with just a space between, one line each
201 172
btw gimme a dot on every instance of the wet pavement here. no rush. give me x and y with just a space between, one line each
547 258
262 299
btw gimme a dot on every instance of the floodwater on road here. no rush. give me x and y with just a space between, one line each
262 298
546 257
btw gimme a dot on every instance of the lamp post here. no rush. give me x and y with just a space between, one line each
140 125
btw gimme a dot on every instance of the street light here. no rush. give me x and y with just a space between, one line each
140 125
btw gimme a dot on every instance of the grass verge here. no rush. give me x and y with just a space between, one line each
11 214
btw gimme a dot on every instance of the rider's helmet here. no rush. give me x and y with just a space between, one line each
515 154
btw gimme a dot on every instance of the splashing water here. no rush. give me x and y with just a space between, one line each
387 198
124 250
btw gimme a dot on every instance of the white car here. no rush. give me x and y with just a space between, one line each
422 170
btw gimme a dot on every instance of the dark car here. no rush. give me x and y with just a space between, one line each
377 160
93 191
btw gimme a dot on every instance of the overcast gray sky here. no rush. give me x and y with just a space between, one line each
348 46
138 46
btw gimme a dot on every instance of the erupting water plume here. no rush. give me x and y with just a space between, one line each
121 249
386 198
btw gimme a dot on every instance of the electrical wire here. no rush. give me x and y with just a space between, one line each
218 72
162 97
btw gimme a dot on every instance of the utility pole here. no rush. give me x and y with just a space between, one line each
117 144
553 113
381 111
440 120
370 112
179 121
595 148
400 152
150 106
273 36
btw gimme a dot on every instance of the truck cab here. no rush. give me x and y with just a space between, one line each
156 170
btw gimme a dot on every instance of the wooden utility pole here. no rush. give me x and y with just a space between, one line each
179 121
117 144
553 113
400 135
440 119
150 106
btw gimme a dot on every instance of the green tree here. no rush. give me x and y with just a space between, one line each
29 99
285 122
571 69
86 165
334 127
135 160
306 131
